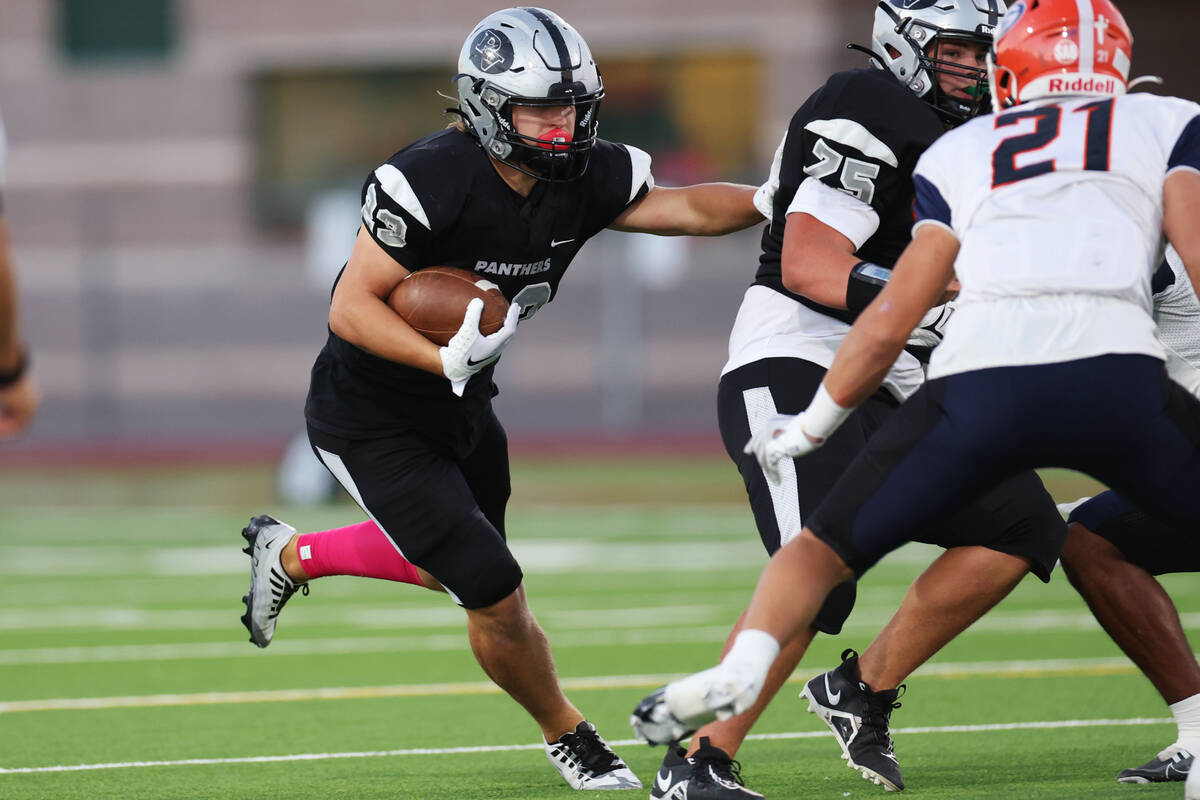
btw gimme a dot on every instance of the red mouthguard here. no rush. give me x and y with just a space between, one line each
554 139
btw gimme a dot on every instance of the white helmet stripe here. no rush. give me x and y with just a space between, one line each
1087 37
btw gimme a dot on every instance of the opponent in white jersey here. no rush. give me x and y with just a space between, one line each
1067 258
18 392
1177 314
1102 407
1114 550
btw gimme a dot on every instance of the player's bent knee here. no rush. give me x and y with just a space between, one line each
496 591
1084 553
508 618
472 562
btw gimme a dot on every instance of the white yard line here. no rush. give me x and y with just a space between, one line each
427 751
395 619
357 645
1003 669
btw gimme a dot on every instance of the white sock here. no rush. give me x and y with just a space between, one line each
1187 718
753 651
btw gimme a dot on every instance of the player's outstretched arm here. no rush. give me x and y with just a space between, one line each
359 312
18 392
1181 209
706 209
917 284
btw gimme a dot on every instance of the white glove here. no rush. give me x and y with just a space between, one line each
932 327
782 437
468 351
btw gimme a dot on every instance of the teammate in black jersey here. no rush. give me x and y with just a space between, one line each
511 192
839 201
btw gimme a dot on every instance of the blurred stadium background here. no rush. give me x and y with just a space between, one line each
182 186
183 179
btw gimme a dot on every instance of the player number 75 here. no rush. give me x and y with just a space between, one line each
857 177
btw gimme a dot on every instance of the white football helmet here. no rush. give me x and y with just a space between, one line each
900 40
529 56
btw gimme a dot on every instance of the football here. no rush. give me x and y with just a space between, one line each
433 300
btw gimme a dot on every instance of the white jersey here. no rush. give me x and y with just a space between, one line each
1058 209
1177 312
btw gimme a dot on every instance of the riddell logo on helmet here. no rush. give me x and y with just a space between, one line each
1091 85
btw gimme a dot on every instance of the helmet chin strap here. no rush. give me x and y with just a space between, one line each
555 139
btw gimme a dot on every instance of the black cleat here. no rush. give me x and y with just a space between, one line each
716 776
710 774
673 775
1172 764
859 720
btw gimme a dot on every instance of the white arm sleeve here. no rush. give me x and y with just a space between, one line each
845 213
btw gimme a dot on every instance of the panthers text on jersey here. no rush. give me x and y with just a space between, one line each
847 159
440 201
1058 209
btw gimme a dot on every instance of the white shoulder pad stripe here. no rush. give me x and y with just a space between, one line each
764 198
852 134
396 186
640 161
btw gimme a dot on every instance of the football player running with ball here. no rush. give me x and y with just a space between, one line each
511 193
839 200
1051 214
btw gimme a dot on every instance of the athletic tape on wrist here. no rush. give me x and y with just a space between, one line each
823 415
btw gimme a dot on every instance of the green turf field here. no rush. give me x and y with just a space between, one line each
126 673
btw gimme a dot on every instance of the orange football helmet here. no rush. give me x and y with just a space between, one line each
1058 48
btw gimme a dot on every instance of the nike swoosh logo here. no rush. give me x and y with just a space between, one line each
560 241
834 697
663 782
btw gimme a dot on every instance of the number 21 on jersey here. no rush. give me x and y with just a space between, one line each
1063 151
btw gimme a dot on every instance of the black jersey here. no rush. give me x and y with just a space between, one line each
861 134
440 201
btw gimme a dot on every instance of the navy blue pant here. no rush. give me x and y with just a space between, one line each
1157 546
1117 418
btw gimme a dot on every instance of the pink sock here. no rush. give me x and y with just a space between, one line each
361 549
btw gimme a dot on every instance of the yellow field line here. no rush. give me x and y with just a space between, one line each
948 671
